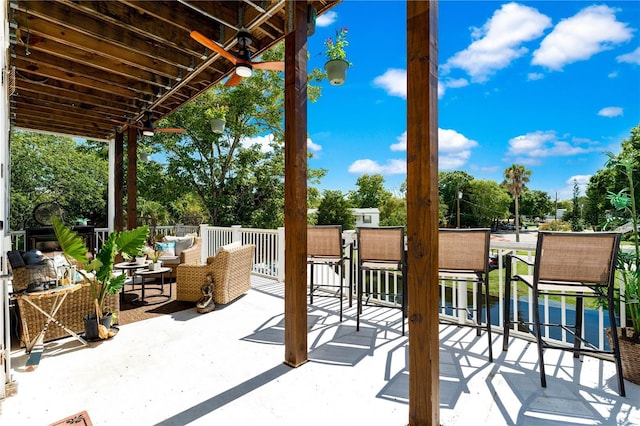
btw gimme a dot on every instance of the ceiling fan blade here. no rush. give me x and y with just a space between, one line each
271 66
175 130
206 42
234 80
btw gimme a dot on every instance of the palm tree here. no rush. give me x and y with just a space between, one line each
515 178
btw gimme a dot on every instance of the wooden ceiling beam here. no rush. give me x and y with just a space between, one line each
97 29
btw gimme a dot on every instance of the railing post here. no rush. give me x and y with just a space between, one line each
204 238
236 233
281 254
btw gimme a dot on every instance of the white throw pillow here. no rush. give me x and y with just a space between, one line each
230 246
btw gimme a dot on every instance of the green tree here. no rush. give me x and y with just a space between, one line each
46 168
238 176
394 212
334 209
370 193
515 179
488 202
450 185
535 203
596 202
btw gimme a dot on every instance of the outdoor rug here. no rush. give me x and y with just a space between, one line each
130 311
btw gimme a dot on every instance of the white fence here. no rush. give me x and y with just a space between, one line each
269 262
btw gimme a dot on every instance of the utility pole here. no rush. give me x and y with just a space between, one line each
458 207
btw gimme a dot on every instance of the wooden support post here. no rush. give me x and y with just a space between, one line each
132 178
422 212
295 187
118 180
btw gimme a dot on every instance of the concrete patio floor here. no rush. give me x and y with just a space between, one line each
226 368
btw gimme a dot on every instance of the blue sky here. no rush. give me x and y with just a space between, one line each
548 84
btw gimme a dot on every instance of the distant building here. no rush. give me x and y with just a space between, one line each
364 217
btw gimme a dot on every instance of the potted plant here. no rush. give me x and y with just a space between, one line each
154 255
336 66
99 271
629 270
217 116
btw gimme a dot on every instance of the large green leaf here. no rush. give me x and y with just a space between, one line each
71 243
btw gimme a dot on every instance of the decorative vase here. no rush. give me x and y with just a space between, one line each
91 325
140 260
336 71
217 125
154 266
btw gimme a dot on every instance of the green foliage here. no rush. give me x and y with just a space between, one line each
628 262
334 210
515 179
449 185
393 212
53 168
535 203
100 270
488 202
555 225
335 48
371 192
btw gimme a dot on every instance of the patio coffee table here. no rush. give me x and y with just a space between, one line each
146 273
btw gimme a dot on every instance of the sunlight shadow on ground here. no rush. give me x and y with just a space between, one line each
271 333
222 399
346 347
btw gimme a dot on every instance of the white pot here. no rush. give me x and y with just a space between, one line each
141 260
154 266
217 125
336 71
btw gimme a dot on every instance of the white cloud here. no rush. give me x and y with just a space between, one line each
367 166
326 19
401 145
533 146
581 36
499 41
264 142
613 74
610 112
394 81
312 146
632 58
454 149
532 76
441 89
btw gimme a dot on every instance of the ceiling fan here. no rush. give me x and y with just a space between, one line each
148 129
242 62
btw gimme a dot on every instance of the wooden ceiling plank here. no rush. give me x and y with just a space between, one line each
109 32
86 48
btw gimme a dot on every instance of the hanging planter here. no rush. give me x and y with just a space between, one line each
217 116
336 71
217 125
336 66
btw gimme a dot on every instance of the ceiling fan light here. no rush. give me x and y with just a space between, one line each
148 130
243 70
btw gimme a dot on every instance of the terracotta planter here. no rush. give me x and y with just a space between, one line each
629 355
336 71
217 125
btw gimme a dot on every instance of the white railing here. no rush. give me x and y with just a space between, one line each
269 254
270 262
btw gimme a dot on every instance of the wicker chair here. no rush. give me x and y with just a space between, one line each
568 264
190 256
231 269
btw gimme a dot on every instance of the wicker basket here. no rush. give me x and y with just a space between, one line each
629 355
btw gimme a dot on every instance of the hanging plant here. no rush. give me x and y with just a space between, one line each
336 66
217 116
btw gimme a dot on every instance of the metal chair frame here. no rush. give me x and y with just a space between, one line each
385 253
575 265
325 247
463 256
